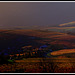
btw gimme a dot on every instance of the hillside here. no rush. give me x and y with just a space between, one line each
18 38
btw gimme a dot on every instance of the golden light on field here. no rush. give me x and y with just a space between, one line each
64 51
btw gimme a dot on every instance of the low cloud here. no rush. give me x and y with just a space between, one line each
69 23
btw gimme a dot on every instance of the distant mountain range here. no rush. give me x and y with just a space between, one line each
64 28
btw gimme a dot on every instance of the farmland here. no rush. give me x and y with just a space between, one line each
36 51
40 65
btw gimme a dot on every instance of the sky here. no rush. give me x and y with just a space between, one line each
16 14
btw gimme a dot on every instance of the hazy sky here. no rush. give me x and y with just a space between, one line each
36 13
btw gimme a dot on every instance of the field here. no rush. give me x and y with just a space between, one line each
36 51
40 65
